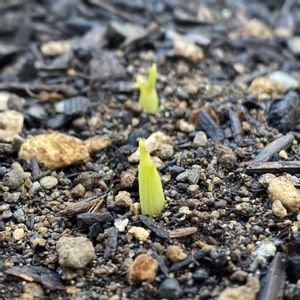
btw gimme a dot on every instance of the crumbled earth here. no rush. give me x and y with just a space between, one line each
228 86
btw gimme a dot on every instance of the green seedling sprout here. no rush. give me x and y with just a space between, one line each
150 188
148 96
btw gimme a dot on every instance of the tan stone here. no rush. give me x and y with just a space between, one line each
184 126
53 48
188 50
38 242
246 292
265 85
139 233
19 234
32 291
256 28
75 252
78 190
123 199
175 253
11 124
97 143
282 188
135 208
54 150
144 268
72 290
5 236
278 209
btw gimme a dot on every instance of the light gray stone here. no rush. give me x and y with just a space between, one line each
75 252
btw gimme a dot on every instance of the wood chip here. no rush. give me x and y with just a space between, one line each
274 167
273 281
74 209
182 232
273 148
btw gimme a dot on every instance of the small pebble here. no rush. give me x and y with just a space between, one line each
143 268
175 253
282 188
15 177
36 186
19 234
19 215
165 151
185 210
128 177
170 289
139 233
154 142
78 191
265 85
120 224
123 199
200 275
135 208
294 45
176 170
193 189
88 179
184 126
4 207
7 214
284 79
38 242
278 209
48 182
200 139
283 154
239 275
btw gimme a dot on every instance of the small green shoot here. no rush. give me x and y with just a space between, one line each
148 96
150 188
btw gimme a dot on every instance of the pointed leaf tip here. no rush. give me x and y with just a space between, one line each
144 154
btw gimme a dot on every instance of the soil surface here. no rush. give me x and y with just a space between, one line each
227 153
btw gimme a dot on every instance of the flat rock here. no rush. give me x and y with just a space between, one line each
11 124
46 277
75 252
54 150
